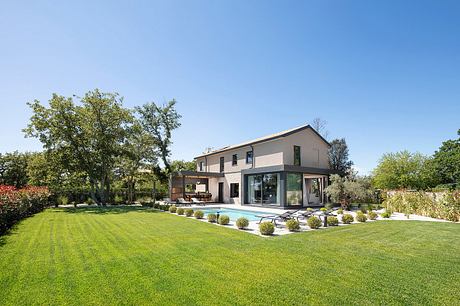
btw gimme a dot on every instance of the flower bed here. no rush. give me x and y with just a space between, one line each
17 204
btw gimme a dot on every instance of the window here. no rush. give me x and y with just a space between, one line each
221 164
235 159
296 156
294 189
234 190
249 157
201 166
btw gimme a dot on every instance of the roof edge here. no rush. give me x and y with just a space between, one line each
290 132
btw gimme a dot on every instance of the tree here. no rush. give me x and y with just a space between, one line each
320 126
86 137
138 156
338 156
159 122
446 161
13 169
179 165
402 170
348 189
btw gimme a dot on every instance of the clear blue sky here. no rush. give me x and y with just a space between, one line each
385 75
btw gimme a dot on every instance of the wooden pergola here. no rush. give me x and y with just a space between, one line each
179 180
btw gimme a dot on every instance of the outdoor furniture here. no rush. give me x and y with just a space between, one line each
196 201
181 201
281 217
303 215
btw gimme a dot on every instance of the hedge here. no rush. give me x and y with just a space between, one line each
17 204
444 205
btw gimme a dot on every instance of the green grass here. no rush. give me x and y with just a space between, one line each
136 257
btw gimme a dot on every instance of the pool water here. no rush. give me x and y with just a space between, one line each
234 214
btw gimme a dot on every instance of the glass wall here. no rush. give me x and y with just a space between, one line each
264 189
294 189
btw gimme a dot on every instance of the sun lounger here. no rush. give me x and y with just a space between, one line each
281 217
182 201
196 201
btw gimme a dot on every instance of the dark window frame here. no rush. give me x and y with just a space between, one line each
234 159
221 164
234 190
201 165
297 156
247 157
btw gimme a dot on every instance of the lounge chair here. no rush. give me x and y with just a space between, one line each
198 202
281 217
303 215
182 201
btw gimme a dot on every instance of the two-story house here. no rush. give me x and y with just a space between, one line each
286 169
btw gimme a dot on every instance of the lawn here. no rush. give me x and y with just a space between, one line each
133 256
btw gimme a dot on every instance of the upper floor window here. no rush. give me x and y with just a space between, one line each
235 159
249 157
296 156
201 166
221 169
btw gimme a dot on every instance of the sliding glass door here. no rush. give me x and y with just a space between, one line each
264 189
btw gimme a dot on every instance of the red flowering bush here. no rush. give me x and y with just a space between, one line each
16 204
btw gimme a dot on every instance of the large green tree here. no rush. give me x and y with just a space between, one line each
402 170
85 136
339 159
159 121
13 169
446 161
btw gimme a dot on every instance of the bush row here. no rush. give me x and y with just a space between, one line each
436 205
17 204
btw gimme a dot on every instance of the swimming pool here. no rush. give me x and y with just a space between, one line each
234 214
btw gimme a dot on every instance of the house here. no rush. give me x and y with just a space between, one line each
286 169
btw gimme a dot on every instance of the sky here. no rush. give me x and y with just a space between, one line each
385 75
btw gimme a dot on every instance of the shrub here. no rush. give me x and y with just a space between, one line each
293 225
363 208
199 214
223 220
310 209
242 223
62 200
360 217
340 211
332 221
17 204
386 214
323 209
347 218
118 199
212 218
172 209
329 206
266 228
156 206
188 212
180 211
314 222
372 215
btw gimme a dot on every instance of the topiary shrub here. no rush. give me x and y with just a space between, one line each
323 209
340 211
242 223
360 217
332 221
172 209
212 218
223 220
347 218
188 212
293 225
266 228
199 214
314 222
386 214
180 211
372 215
363 208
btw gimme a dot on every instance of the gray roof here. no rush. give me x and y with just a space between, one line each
265 139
